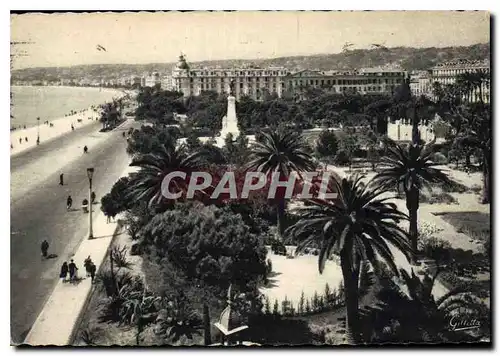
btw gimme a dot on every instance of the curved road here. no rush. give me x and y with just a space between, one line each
38 211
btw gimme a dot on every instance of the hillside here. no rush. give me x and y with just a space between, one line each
409 58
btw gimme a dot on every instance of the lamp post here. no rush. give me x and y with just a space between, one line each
38 131
90 173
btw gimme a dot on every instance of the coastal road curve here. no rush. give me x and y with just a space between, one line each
38 211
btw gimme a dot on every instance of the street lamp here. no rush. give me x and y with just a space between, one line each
90 173
38 131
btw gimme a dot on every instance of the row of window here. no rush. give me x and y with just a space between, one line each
239 73
210 86
454 72
344 82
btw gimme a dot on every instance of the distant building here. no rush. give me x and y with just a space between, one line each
420 83
364 81
254 82
447 73
135 80
166 82
152 80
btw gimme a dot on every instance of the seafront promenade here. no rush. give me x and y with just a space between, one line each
46 132
35 193
60 316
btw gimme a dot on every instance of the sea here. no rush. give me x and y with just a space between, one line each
50 103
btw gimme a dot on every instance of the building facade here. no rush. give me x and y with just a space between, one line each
152 79
420 83
254 82
166 82
364 81
447 72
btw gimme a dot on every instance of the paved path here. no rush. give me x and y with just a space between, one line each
59 316
38 212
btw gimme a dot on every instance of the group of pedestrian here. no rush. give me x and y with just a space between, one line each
71 270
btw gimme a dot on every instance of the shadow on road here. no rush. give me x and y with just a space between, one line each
102 237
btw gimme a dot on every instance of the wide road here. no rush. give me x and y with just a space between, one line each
38 211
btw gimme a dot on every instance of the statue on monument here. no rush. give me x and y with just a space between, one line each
231 88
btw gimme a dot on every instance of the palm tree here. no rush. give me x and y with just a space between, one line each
465 82
410 168
146 184
410 313
357 227
282 151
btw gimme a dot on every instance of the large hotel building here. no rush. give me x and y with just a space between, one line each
446 73
254 82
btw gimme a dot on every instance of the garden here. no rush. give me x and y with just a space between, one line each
314 272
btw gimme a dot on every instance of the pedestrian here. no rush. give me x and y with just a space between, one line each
20 140
72 127
93 269
61 179
26 139
64 271
72 270
44 248
87 263
108 218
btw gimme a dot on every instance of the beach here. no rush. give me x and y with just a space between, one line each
51 128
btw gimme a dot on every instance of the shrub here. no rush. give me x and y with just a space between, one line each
267 306
207 243
439 158
91 335
342 158
113 307
453 187
308 306
269 266
327 144
438 198
136 249
105 280
119 255
276 307
177 319
435 248
301 306
278 247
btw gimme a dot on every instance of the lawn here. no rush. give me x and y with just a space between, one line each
474 224
292 276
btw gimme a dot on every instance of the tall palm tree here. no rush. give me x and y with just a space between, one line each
410 168
357 227
146 184
466 83
282 151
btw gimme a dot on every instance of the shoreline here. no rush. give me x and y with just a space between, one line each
118 94
60 126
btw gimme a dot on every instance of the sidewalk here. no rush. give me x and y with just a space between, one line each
60 314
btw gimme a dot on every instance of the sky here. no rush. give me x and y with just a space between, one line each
72 39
